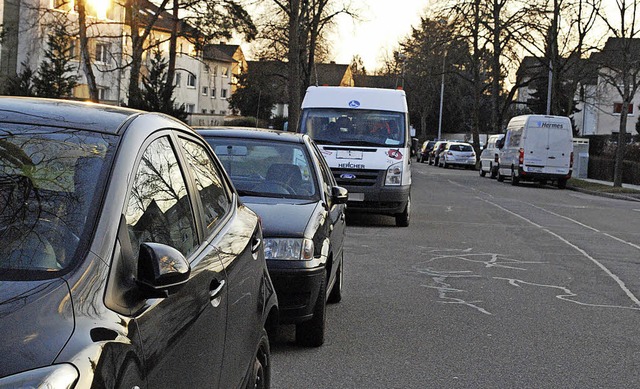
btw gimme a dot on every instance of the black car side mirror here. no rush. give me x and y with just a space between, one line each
339 195
500 143
161 269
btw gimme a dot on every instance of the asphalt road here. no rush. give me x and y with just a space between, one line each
491 286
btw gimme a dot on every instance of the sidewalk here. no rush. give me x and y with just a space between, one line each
630 196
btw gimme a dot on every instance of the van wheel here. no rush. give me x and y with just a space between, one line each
500 177
402 219
562 183
482 173
494 171
515 180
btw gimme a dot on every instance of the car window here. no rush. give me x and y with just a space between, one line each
48 182
211 189
159 209
267 168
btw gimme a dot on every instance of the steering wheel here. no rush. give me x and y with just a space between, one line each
273 187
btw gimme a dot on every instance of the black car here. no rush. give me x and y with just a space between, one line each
127 259
425 150
284 178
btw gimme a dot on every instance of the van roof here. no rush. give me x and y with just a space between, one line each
355 98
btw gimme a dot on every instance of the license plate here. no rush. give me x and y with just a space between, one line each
349 154
535 169
356 196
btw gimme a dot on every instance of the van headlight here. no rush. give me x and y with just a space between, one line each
57 376
394 175
288 249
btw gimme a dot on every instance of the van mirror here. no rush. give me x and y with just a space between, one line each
500 143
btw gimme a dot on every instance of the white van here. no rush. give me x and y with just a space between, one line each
489 156
364 135
537 148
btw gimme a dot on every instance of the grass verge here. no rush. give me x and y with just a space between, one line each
596 187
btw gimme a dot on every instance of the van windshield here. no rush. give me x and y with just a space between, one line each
354 127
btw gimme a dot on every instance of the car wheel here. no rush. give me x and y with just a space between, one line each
515 180
482 172
494 171
500 177
310 333
336 292
260 377
562 183
402 219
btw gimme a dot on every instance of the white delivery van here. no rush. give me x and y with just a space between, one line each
363 134
537 148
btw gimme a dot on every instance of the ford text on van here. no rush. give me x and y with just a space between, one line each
363 134
537 148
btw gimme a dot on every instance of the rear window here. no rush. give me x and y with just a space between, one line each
461 148
48 182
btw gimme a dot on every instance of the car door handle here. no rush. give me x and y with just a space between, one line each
214 292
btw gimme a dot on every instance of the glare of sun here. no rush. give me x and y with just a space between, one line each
100 7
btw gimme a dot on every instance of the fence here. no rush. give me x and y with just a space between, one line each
602 169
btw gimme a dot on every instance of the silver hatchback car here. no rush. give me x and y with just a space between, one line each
458 154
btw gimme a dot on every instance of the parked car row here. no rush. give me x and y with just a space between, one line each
133 256
448 154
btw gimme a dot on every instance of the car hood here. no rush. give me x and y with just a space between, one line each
36 321
283 218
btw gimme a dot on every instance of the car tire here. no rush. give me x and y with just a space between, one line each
562 183
260 374
494 171
515 180
310 333
402 218
500 177
335 296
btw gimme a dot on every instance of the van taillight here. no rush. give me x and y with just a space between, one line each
521 156
571 160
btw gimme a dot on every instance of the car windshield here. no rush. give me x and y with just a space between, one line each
267 168
354 127
48 181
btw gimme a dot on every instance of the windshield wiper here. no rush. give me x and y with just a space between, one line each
361 143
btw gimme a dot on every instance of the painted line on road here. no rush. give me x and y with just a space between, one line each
620 283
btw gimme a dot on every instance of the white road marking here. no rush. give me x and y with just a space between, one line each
620 283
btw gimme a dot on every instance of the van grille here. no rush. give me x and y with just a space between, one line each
362 177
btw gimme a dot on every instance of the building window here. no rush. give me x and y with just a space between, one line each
617 108
190 108
223 112
214 70
205 90
191 80
204 111
213 93
177 79
102 53
224 71
223 94
103 93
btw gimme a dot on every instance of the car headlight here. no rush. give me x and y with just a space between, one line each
61 376
288 249
394 174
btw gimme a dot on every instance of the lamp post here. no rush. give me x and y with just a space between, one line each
444 58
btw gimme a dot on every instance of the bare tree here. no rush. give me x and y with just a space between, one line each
619 63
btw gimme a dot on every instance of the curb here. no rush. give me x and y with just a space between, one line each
617 196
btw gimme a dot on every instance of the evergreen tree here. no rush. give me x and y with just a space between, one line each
22 83
253 97
155 86
55 77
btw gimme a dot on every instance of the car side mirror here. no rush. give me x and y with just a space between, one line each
339 195
161 269
500 143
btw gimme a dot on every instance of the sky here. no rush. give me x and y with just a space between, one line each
383 24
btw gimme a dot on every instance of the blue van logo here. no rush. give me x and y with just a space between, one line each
354 103
348 176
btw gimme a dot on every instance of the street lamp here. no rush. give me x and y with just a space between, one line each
444 58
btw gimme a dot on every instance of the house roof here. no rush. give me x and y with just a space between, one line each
164 21
615 50
213 52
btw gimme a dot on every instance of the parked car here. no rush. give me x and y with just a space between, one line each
285 179
423 154
458 154
127 258
489 157
434 155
